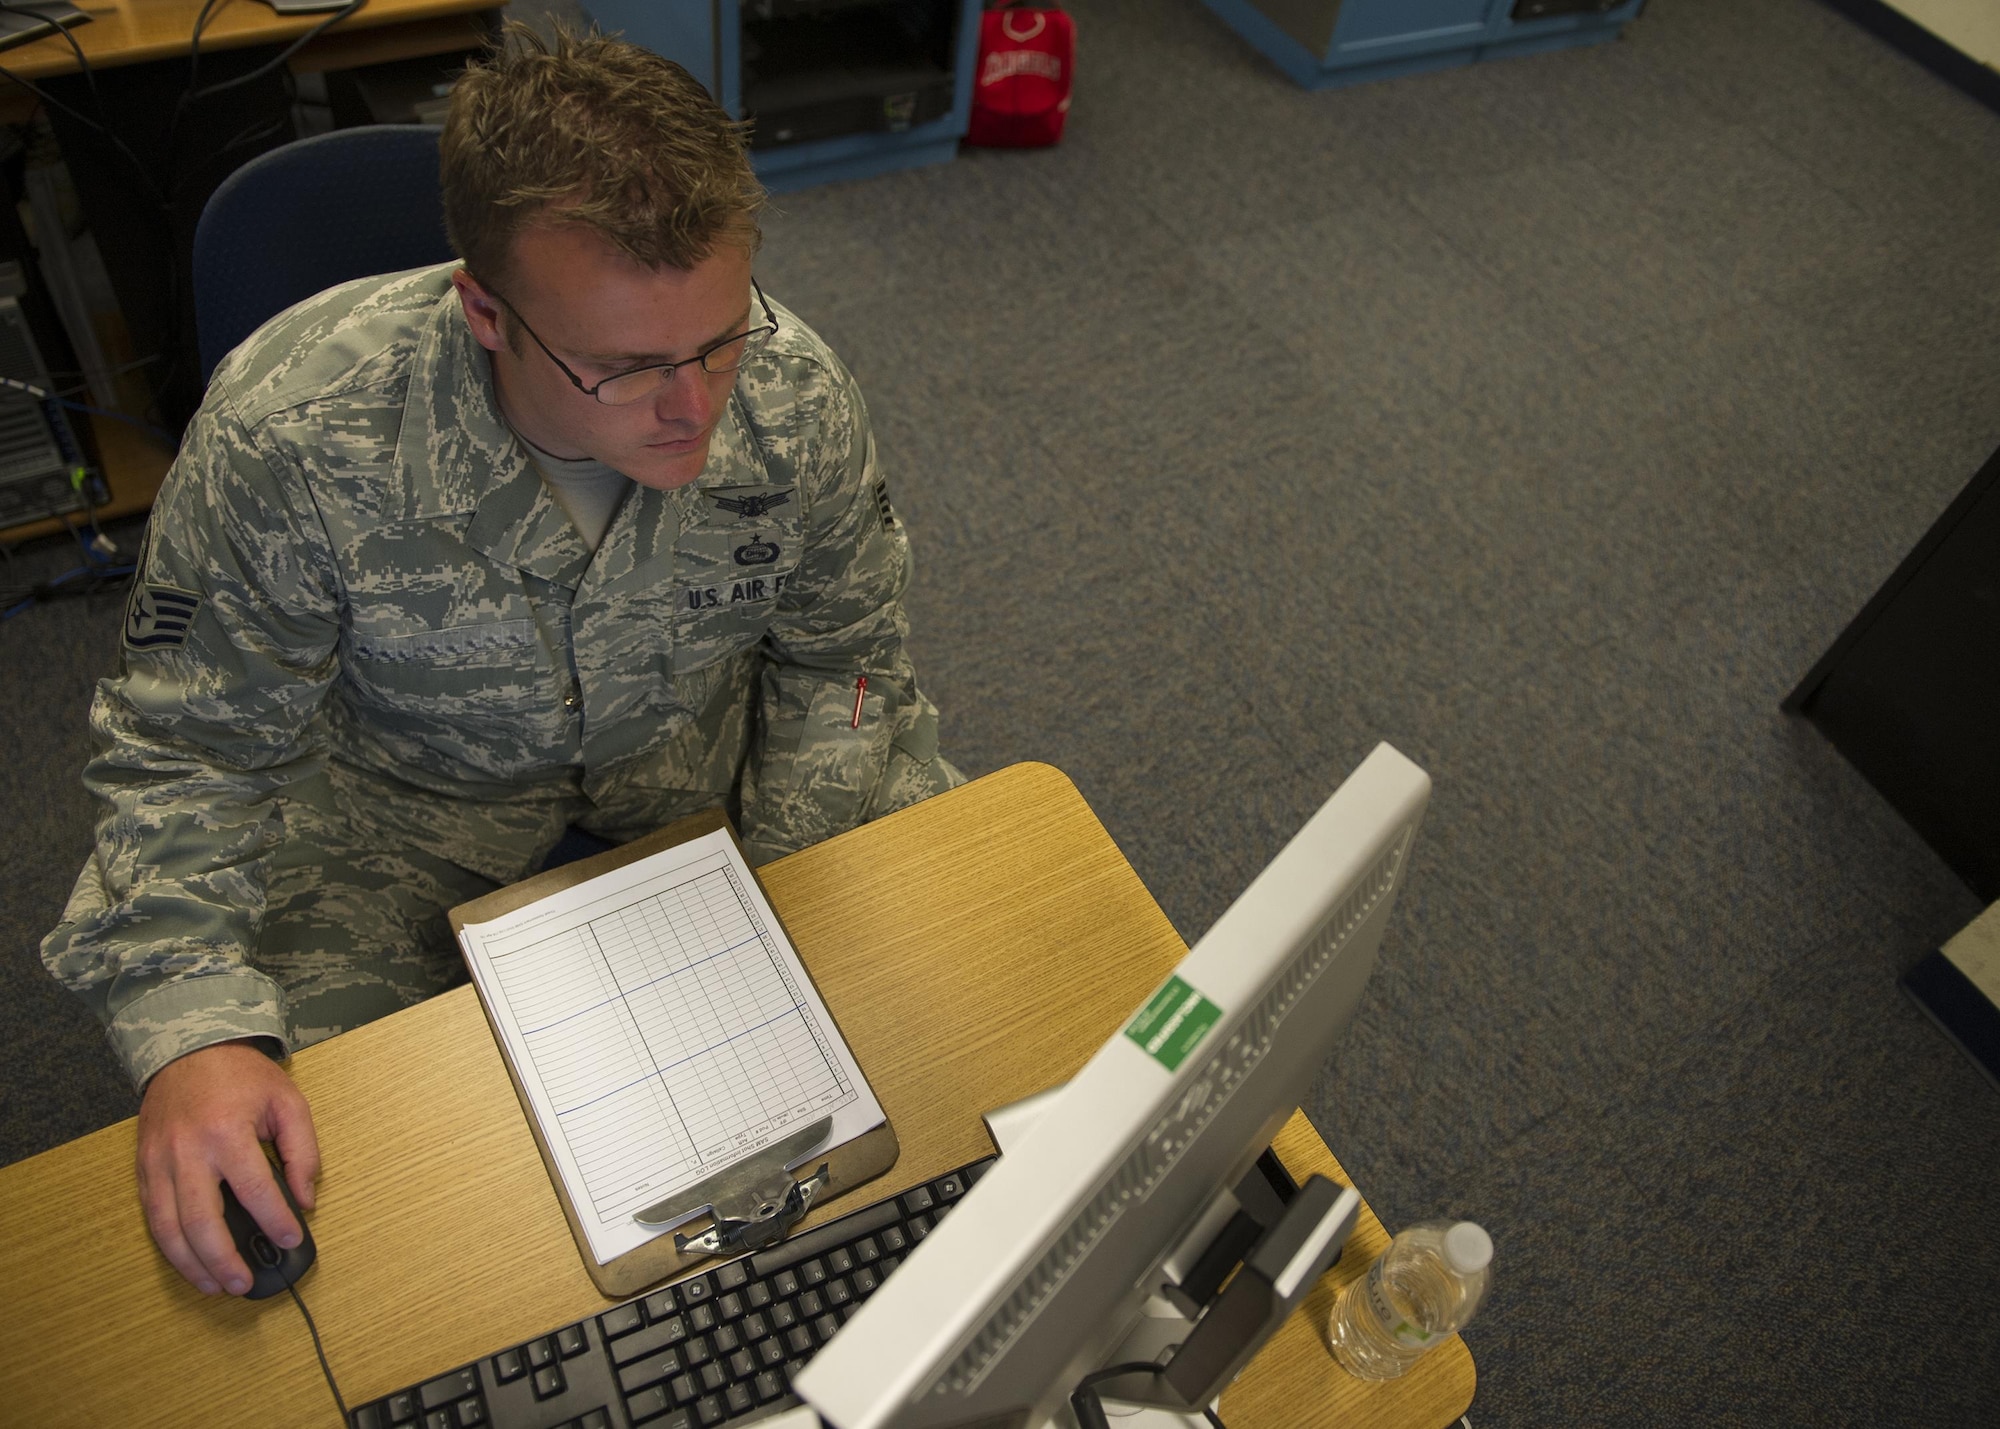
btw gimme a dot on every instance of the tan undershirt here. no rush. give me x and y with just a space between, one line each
588 491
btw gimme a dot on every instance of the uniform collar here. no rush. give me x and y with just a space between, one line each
457 457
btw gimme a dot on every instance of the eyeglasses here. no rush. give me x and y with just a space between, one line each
627 387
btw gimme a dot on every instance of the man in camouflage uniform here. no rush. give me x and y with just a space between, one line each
428 584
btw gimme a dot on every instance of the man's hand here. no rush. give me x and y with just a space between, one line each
201 1123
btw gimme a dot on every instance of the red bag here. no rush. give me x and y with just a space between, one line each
1020 90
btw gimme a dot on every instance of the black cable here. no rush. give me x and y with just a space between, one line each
99 124
1089 1408
277 60
324 1367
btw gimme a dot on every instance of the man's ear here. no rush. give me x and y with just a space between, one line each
482 311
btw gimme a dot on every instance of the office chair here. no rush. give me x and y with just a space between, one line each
311 214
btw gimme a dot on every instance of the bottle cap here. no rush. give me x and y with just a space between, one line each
1468 1248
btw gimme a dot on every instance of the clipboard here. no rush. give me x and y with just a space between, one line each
740 1207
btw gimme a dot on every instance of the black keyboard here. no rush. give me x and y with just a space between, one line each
720 1346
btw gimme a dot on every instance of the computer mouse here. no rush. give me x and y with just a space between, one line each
272 1267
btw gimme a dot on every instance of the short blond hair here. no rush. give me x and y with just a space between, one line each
592 131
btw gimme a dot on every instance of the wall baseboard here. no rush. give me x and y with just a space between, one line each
1893 27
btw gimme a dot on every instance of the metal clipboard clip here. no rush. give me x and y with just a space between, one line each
751 1204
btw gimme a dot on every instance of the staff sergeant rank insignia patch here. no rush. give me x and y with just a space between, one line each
159 616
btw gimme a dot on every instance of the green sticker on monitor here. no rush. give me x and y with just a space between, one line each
1173 1023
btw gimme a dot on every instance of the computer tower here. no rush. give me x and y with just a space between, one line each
38 447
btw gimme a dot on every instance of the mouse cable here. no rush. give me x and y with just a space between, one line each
324 1367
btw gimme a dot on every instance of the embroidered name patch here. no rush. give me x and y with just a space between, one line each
159 617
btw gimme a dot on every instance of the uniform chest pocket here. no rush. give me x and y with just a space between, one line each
718 613
479 672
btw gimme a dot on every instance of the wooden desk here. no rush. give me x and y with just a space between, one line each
440 1240
123 32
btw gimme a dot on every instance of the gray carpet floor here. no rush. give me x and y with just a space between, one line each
1548 419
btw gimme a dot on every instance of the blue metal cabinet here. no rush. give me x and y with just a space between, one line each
707 37
1326 43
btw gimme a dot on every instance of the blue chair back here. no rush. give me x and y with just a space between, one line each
310 214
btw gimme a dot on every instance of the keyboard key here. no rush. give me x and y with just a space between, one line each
369 1416
650 1370
402 1407
889 1263
697 1351
696 1291
730 1306
920 1226
768 1387
701 1317
759 1295
918 1200
841 1261
867 1250
679 1419
596 1419
471 1412
866 1279
810 1304
725 1339
646 1403
799 1339
571 1341
660 1304
548 1383
755 1326
783 1316
713 1377
838 1292
733 1276
813 1272
448 1387
670 1331
541 1354
978 1169
622 1321
894 1240
821 1239
785 1282
948 1188
710 1410
508 1366
738 1398
438 1419
684 1389
825 1327
771 1351
742 1365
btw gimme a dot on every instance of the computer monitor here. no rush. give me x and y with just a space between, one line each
1068 1255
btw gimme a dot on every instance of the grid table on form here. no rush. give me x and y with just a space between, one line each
669 1036
663 1028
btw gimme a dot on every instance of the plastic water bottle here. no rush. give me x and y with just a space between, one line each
1418 1293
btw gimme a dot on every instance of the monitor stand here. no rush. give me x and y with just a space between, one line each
1200 1333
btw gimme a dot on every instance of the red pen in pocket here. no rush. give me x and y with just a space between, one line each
860 690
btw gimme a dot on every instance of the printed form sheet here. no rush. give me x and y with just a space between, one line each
664 1028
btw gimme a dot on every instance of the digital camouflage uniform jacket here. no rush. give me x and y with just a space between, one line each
353 562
